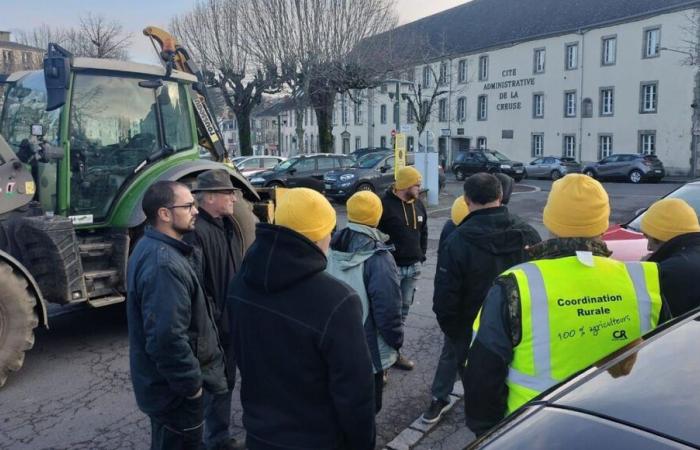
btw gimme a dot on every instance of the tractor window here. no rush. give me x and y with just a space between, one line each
113 130
176 116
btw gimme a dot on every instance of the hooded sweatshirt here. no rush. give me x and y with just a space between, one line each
488 242
406 223
300 347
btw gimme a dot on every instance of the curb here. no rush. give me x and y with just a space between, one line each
412 434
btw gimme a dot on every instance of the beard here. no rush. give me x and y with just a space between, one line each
184 229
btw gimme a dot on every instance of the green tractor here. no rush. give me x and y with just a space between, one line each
80 142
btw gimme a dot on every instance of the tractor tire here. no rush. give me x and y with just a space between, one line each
17 321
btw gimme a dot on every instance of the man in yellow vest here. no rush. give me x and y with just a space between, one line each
547 319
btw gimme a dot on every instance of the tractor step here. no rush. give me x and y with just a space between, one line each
105 301
100 274
94 249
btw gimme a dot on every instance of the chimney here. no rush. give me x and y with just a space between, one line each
4 36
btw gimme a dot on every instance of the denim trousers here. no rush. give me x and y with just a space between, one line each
179 428
450 366
408 276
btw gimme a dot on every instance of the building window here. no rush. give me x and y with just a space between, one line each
461 109
537 144
426 76
608 55
481 110
442 110
382 142
649 97
569 145
570 104
481 143
538 61
462 71
382 114
571 53
483 68
395 113
358 142
652 42
343 111
606 101
410 113
538 105
605 145
313 117
306 117
382 88
443 73
425 111
358 113
647 142
409 143
411 75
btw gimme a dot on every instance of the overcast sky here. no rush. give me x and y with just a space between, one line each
134 15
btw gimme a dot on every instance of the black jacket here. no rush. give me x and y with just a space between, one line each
218 254
486 243
173 345
306 374
679 266
407 227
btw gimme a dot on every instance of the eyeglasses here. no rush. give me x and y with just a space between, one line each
188 206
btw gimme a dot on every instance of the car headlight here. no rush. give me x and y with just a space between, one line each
257 180
505 166
347 177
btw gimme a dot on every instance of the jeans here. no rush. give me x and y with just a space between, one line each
179 428
408 276
217 418
450 365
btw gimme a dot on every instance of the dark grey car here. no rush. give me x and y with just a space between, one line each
633 167
301 171
552 167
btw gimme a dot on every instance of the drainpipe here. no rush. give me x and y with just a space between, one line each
582 33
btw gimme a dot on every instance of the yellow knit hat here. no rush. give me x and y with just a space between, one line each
669 218
365 207
407 177
577 206
460 210
305 211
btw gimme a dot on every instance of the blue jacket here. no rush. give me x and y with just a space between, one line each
360 257
173 345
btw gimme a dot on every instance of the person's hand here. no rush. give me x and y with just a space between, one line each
196 395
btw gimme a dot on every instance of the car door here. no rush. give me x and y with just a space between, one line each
606 166
534 169
624 165
301 174
386 174
473 162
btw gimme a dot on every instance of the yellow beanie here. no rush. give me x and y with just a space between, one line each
577 206
407 177
669 218
365 207
460 210
305 211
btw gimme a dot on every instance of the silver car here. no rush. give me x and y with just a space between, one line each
552 167
633 167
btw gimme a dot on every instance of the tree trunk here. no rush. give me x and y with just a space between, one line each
322 101
299 122
243 120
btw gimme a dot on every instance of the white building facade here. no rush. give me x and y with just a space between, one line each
623 87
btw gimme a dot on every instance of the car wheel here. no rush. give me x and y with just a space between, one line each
524 174
460 175
364 187
555 175
635 176
517 179
590 173
275 184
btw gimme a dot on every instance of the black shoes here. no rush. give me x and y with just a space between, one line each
435 411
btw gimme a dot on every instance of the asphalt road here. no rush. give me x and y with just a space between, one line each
74 391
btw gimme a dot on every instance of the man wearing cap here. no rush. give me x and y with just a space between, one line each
544 320
219 249
405 221
671 226
360 257
487 242
306 373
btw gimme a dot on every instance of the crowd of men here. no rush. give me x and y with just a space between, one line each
313 317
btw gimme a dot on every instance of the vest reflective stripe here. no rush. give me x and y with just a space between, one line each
534 354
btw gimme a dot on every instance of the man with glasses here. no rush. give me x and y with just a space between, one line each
174 352
218 242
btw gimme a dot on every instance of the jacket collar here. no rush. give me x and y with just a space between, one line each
675 245
374 233
178 245
561 247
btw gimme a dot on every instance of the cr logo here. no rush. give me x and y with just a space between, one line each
619 334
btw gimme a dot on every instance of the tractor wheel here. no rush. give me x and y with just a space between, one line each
17 321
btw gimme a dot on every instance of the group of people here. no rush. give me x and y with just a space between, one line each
313 318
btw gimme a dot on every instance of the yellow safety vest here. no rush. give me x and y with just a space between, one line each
573 315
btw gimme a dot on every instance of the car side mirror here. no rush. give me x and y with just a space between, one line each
532 163
292 171
383 169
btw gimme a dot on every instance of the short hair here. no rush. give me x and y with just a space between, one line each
160 194
482 188
506 187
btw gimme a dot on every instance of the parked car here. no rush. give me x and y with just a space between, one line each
372 172
363 151
552 167
483 160
252 165
633 167
302 171
626 240
644 397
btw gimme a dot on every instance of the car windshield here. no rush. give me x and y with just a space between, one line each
497 155
285 164
369 160
690 193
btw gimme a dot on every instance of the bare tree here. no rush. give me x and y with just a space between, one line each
317 45
40 36
421 100
212 32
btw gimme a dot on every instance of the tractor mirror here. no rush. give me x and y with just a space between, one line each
57 63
